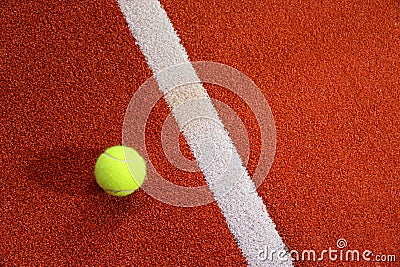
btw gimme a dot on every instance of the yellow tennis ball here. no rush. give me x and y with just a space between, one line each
120 170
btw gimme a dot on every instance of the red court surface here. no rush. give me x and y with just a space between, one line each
328 69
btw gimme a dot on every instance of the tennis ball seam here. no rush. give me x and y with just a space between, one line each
123 160
118 191
131 175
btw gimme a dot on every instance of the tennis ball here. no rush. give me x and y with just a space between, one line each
120 170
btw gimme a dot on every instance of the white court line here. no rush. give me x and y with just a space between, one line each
245 212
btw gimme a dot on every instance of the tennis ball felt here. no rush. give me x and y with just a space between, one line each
120 170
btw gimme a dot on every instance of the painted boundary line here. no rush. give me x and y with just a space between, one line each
199 122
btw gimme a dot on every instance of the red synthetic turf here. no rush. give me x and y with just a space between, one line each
329 70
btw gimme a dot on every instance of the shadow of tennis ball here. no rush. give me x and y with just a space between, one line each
65 170
63 177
